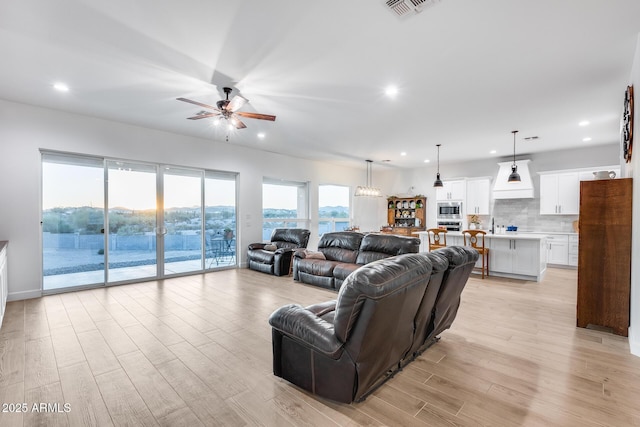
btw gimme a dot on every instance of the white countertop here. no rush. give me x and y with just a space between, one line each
507 235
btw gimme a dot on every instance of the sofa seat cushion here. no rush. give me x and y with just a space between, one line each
317 267
262 256
341 271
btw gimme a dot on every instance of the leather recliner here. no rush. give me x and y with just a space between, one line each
387 312
345 252
284 241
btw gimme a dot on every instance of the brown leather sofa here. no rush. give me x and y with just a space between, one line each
387 312
275 257
345 252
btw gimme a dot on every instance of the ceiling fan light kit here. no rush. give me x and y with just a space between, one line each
438 182
514 177
368 190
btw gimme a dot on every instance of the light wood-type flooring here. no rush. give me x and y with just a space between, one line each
196 351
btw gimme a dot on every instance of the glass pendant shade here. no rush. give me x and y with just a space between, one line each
514 176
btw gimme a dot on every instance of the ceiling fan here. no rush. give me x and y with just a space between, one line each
227 109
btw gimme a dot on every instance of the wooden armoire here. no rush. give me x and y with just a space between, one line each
604 254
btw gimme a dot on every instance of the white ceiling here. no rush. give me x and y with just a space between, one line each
468 71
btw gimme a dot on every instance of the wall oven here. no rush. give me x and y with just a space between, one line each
449 210
450 225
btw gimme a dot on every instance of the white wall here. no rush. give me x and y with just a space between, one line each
632 170
24 130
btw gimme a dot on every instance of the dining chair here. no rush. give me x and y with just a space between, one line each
475 239
437 238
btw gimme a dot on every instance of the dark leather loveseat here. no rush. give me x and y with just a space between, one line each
275 257
386 314
345 252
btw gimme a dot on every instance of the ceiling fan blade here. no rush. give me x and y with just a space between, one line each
237 123
236 103
200 104
203 116
256 116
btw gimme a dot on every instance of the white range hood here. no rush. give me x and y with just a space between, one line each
503 189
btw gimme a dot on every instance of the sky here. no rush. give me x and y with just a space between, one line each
65 185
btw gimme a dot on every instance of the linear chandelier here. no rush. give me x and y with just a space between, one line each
368 190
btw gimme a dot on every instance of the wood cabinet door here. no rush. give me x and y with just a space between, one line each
604 258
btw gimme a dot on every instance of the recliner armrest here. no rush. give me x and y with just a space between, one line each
253 246
300 253
283 250
322 308
301 324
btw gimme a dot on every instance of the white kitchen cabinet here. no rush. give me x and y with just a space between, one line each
558 249
451 190
4 285
560 193
478 196
573 250
522 257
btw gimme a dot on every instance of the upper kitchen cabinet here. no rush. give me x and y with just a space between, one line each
560 190
478 196
451 190
560 193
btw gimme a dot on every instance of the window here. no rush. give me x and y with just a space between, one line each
333 208
284 205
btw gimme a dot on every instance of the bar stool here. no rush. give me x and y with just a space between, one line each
437 238
475 239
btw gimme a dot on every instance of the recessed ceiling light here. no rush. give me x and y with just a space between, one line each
391 91
493 152
427 160
584 123
261 135
404 153
587 139
61 87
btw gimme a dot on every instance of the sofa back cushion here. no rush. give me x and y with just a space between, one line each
375 312
290 238
340 246
379 246
461 261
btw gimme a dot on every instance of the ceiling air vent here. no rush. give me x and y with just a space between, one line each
404 7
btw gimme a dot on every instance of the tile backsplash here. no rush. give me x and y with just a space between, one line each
525 214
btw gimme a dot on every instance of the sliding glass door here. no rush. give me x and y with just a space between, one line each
182 189
113 221
72 221
132 198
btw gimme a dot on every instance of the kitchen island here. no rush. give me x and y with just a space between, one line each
516 255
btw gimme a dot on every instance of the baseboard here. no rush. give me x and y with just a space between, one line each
634 345
17 296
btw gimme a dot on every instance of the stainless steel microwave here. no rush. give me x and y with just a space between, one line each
449 210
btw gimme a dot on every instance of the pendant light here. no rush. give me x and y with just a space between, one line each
438 181
368 190
515 176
